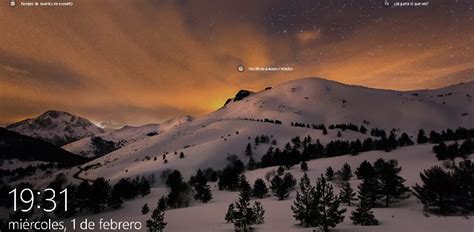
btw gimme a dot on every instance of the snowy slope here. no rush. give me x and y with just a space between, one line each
203 147
124 136
406 215
56 127
207 141
315 100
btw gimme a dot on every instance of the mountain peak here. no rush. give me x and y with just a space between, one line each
54 113
315 82
57 127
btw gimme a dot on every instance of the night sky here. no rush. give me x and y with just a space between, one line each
135 62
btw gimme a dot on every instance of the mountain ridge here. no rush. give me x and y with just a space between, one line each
56 127
123 136
319 100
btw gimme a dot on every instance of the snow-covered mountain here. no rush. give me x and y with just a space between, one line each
88 146
206 141
56 127
315 100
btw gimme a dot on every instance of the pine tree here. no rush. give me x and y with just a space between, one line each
290 181
202 189
145 209
229 179
441 151
453 150
466 148
198 179
306 141
290 154
281 187
346 172
174 180
156 223
144 187
115 200
243 215
325 131
391 188
391 142
204 194
296 142
404 140
100 192
259 213
363 214
229 216
278 188
260 189
329 173
251 165
304 205
464 176
327 214
162 203
347 194
248 150
84 195
304 166
244 186
180 194
365 171
421 138
370 188
438 192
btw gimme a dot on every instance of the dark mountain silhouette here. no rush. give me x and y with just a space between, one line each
25 148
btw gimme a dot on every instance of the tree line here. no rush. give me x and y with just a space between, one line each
13 175
299 150
267 120
451 151
445 135
341 126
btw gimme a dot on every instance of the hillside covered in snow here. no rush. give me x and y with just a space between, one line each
101 144
406 215
56 127
291 109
